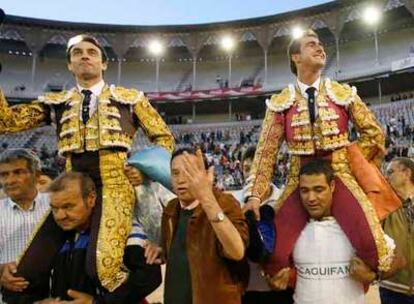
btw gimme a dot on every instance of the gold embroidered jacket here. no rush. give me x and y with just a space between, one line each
110 131
287 119
119 112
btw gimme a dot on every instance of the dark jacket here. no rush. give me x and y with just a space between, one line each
396 225
214 277
69 272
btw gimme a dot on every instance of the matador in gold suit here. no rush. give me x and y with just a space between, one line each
98 147
359 200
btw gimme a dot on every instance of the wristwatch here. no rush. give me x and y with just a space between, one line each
220 216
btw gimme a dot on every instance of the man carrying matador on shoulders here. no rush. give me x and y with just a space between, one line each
95 124
313 117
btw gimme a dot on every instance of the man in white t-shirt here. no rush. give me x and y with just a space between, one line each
327 270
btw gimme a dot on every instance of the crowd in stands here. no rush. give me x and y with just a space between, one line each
222 83
224 149
182 120
403 96
397 119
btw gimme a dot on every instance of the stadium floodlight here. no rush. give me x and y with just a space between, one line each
156 48
228 43
371 15
297 32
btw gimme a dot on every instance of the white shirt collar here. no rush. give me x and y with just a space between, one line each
96 88
303 87
14 205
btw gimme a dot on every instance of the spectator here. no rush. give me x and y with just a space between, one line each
204 237
72 199
21 210
45 178
219 81
258 291
400 226
410 152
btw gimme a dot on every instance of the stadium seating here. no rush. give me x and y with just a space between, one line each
357 58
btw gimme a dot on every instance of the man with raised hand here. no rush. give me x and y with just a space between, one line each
204 237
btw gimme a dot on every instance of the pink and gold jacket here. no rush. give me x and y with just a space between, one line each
359 182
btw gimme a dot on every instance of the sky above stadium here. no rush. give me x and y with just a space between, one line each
151 12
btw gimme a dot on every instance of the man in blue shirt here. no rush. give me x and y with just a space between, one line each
72 200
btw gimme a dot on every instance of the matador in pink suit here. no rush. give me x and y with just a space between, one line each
313 117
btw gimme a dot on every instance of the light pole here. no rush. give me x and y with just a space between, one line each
194 72
156 48
372 15
228 44
265 67
376 45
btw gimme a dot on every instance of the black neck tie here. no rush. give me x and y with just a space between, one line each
85 105
311 103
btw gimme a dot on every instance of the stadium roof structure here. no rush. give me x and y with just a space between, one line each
331 16
336 22
62 25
